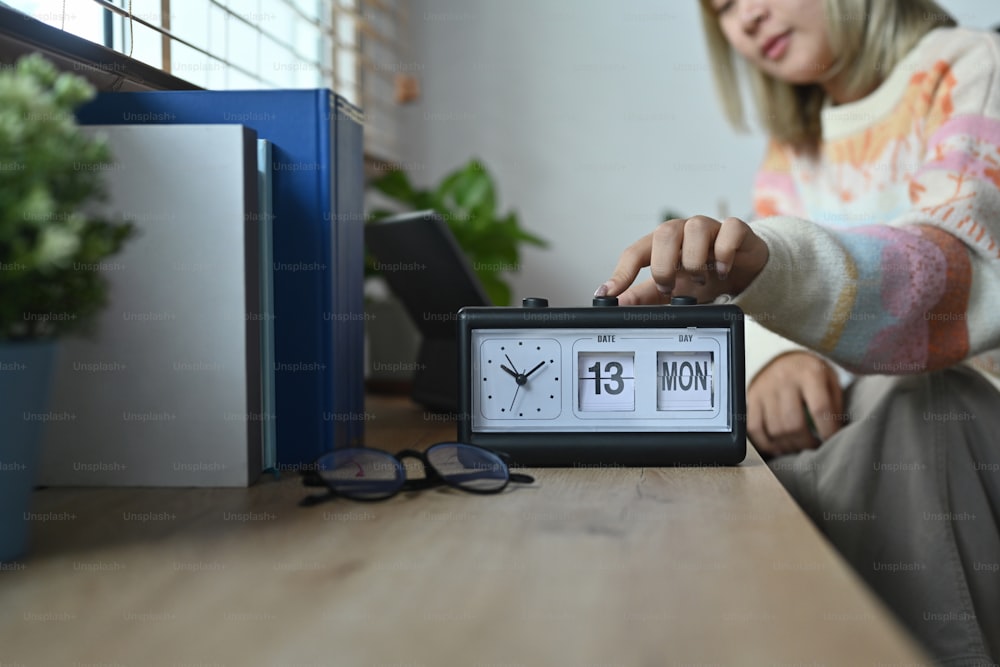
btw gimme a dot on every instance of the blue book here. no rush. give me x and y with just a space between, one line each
318 245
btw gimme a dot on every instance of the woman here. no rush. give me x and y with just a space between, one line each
876 248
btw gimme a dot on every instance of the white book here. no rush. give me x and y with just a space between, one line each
167 390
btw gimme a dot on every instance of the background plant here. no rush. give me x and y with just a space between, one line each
466 198
50 252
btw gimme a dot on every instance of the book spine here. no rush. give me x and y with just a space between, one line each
348 129
264 231
252 279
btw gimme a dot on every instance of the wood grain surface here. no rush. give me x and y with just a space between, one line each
611 566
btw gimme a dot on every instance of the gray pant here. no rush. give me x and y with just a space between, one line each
909 493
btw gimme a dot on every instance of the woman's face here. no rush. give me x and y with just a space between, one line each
787 39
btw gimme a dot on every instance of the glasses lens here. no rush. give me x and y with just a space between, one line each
364 474
468 467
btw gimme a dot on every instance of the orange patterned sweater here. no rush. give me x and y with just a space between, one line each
885 250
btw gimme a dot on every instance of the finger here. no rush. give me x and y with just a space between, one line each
790 428
837 396
687 284
755 426
666 253
699 237
728 242
644 293
632 260
771 426
822 401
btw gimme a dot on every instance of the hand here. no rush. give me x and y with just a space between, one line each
697 256
780 395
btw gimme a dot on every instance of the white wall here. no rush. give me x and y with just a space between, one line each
594 116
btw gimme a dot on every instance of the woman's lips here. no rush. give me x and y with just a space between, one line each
776 46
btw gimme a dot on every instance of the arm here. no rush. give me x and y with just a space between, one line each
785 381
774 194
918 293
911 294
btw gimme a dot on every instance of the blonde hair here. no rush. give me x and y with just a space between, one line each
869 38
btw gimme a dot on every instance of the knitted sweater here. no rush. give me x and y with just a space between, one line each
885 249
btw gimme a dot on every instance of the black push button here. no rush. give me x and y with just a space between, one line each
535 302
683 301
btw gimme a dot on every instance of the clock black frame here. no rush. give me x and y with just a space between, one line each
608 448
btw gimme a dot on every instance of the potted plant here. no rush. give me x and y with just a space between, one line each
466 199
50 253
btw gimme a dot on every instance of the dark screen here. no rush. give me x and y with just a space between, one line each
426 269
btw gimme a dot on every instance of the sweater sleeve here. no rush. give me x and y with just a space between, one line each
916 292
774 193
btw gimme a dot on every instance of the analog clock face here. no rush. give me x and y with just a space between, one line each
520 378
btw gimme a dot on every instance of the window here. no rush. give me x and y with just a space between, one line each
80 18
351 46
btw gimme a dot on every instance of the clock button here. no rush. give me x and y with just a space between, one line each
605 301
535 302
683 301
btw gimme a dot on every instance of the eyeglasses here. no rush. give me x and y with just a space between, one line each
360 473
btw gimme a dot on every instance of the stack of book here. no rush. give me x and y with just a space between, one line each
233 339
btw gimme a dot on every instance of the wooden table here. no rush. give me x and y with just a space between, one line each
646 567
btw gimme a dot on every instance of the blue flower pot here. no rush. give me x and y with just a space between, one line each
25 378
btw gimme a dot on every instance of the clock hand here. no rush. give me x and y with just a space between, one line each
511 408
519 376
540 364
512 364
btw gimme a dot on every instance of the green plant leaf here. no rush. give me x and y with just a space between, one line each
395 184
379 214
531 239
466 198
476 193
451 182
49 251
498 290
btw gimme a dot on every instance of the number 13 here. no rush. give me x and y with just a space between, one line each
615 370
